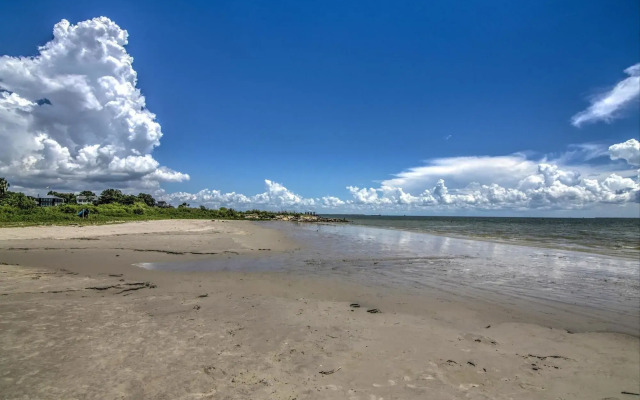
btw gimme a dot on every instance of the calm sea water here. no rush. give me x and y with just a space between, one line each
598 291
613 236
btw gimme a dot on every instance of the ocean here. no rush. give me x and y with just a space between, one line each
612 236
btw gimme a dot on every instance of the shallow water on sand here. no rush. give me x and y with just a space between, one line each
606 285
610 236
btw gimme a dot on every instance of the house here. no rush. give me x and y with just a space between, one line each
48 201
86 199
163 204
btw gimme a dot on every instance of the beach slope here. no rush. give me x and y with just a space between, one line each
78 320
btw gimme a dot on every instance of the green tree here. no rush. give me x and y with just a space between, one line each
18 200
109 196
87 193
147 199
4 186
69 198
128 199
183 205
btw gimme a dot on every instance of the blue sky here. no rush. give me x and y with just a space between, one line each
326 99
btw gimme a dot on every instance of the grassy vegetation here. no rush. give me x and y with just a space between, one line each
68 214
112 206
19 211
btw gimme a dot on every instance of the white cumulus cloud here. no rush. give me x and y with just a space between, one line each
605 106
461 170
450 185
548 188
275 197
72 116
628 151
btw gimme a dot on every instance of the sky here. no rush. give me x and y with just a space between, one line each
526 108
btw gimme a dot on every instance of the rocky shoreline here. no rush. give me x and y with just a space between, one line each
297 218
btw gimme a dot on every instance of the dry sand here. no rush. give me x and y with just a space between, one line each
79 321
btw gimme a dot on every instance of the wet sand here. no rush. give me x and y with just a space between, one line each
78 320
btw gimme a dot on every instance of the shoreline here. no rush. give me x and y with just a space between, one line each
544 283
517 242
80 321
623 252
631 253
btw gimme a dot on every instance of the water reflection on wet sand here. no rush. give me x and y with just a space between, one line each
600 284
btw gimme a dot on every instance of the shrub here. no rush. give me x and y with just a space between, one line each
68 209
18 200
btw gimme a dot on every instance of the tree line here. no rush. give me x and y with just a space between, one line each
107 196
111 205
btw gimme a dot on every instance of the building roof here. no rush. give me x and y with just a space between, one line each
49 197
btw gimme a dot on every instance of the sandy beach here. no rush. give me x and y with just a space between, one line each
79 320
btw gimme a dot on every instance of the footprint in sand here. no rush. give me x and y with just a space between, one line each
480 339
406 379
537 362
